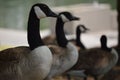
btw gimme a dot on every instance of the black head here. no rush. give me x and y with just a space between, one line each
42 10
103 40
82 28
67 16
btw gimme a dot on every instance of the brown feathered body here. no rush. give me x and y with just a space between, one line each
113 74
18 64
63 59
95 61
50 39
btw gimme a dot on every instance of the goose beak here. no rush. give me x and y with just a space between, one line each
52 14
76 18
87 29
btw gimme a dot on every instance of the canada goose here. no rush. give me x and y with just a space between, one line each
96 61
33 62
79 30
65 54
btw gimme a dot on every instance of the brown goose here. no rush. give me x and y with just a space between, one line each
96 61
65 54
28 63
79 30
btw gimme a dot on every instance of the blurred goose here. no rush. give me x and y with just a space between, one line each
65 54
33 62
96 61
79 30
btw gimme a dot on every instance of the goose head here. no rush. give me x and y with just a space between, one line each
82 29
103 41
67 16
62 18
42 11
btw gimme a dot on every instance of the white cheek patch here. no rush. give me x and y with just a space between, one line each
64 18
39 12
81 29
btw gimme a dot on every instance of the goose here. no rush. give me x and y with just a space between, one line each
65 54
96 61
79 30
33 62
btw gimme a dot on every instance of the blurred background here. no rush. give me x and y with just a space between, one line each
14 13
99 16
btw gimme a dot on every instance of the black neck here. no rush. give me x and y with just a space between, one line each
34 38
60 35
78 40
104 46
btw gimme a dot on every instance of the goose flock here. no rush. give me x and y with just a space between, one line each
54 55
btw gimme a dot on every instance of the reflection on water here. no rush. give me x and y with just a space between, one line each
14 13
